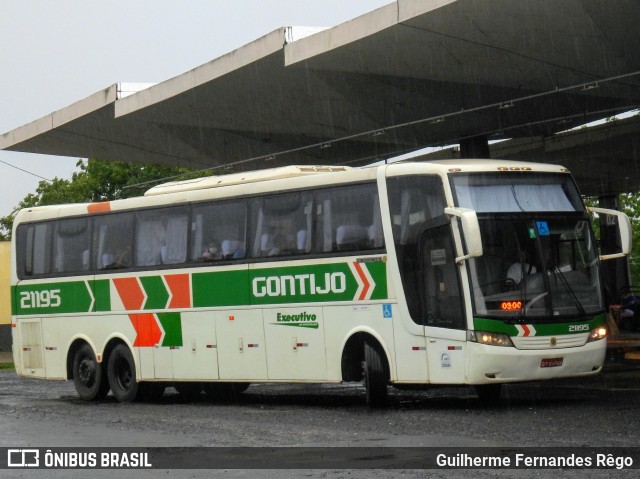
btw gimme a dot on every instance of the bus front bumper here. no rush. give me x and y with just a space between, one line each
496 364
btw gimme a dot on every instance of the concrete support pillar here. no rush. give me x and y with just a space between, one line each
476 147
615 272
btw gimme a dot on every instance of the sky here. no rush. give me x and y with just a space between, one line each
54 53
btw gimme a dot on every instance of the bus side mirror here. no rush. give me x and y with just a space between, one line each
470 229
624 231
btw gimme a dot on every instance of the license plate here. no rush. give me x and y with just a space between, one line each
551 362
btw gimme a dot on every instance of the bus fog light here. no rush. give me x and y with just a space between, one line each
598 333
492 339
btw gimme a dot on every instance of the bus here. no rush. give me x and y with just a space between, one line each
411 274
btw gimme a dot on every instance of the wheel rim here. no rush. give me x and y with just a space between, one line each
123 374
87 371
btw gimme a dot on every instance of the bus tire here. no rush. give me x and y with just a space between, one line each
122 374
375 375
488 393
88 376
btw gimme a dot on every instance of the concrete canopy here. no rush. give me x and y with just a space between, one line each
412 74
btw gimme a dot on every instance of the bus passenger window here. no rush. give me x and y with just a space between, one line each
348 219
282 225
112 239
33 247
161 236
71 245
218 231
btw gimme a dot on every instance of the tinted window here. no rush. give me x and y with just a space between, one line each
24 250
318 221
282 224
71 245
416 203
112 241
348 219
161 236
218 231
515 192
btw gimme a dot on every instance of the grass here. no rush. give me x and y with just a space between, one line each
6 366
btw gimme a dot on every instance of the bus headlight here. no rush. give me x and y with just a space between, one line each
598 333
492 339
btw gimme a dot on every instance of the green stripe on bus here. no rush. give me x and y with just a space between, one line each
102 294
172 326
54 298
327 282
14 304
228 288
157 295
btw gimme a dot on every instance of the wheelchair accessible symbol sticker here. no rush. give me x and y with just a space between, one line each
387 313
543 228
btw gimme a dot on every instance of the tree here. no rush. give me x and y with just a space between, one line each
96 180
630 205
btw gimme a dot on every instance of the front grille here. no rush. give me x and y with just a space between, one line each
545 342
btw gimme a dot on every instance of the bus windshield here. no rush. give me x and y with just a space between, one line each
536 269
539 260
515 192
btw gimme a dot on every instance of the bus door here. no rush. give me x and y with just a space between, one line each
32 350
443 309
241 344
30 301
162 362
295 344
197 358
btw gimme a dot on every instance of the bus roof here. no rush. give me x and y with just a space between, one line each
242 178
486 165
294 171
275 179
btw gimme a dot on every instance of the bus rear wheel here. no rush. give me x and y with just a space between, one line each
375 375
121 370
88 377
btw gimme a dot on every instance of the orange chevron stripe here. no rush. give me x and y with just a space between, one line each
364 279
130 293
149 333
180 290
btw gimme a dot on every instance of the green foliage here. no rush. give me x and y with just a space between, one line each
96 180
630 205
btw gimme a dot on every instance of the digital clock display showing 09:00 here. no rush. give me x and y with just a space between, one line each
511 305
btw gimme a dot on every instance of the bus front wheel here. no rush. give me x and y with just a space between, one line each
88 377
122 374
375 375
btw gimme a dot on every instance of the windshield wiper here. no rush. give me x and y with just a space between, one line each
572 294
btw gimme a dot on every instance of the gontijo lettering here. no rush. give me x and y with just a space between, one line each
299 284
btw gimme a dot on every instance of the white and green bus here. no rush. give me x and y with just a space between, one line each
408 274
